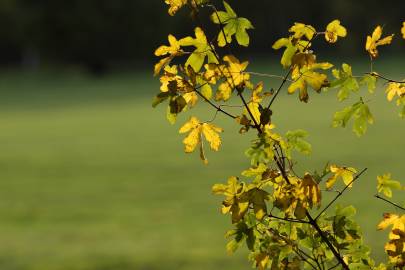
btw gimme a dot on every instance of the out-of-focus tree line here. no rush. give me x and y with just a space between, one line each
104 34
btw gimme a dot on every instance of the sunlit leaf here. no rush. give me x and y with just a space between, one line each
306 76
403 30
375 40
235 77
172 50
202 50
361 114
395 90
385 184
334 30
296 141
175 5
300 30
196 130
344 81
370 81
345 173
232 26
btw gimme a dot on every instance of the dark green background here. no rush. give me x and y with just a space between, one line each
103 35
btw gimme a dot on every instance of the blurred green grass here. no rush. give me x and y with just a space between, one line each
92 178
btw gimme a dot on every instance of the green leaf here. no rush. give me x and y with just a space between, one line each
361 114
348 211
233 26
370 81
385 185
295 141
345 82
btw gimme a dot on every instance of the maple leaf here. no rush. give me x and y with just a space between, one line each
254 103
202 50
233 25
370 81
300 30
196 131
234 75
361 114
395 89
375 40
345 81
397 222
175 5
385 184
172 50
291 48
236 201
307 76
346 173
334 30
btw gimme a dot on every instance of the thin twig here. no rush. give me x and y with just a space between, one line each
218 108
340 193
388 201
289 219
374 74
265 75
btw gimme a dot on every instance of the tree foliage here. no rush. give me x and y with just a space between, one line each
280 215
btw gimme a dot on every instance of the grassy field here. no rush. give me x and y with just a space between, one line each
92 178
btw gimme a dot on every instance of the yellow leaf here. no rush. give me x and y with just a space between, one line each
191 141
224 92
397 222
375 40
235 69
307 76
172 50
346 173
175 5
202 50
169 75
403 30
235 77
395 89
391 219
236 201
300 30
210 132
262 260
311 190
334 30
191 98
196 130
